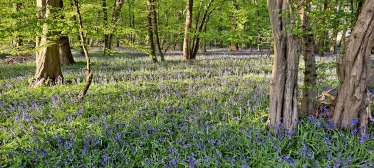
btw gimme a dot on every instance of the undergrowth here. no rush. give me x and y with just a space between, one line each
211 113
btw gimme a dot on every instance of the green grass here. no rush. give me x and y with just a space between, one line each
211 113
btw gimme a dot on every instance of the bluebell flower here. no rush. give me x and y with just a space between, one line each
207 159
148 161
327 140
104 162
212 142
43 152
354 122
311 119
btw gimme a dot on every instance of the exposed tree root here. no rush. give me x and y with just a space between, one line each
45 81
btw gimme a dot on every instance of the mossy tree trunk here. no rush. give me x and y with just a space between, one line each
48 69
283 82
353 100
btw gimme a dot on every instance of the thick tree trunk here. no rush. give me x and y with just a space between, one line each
353 100
48 69
310 75
283 82
187 31
66 57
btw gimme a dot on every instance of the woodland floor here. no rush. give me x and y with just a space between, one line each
211 113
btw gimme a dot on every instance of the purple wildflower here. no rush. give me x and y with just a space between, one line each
354 122
327 140
105 160
43 152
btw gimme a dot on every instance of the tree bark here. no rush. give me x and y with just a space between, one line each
18 39
233 45
204 20
131 18
66 57
283 82
310 75
48 68
108 35
89 74
258 29
150 31
115 19
187 31
320 47
353 100
155 26
107 45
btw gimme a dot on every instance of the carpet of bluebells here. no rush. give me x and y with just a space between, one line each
209 113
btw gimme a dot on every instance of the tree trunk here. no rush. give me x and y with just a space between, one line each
334 39
155 24
321 44
258 29
187 31
66 57
320 48
233 45
107 45
48 69
205 41
310 75
17 42
353 100
150 31
196 36
115 19
89 74
283 82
